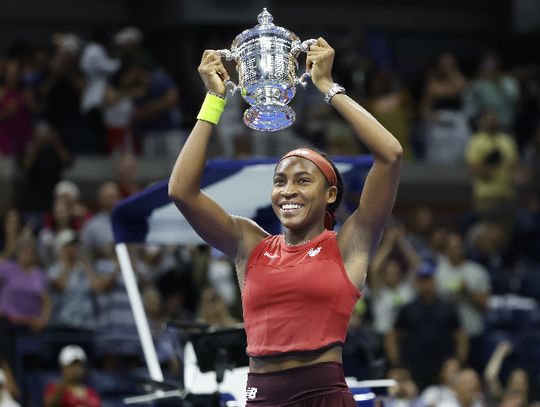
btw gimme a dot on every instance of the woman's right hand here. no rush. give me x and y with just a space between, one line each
213 73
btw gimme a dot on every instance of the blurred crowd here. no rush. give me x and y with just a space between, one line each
450 308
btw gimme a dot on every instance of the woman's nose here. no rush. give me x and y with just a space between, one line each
288 190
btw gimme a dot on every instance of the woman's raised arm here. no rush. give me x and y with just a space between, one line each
221 230
362 231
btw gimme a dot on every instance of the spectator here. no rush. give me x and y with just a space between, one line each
68 192
42 164
405 392
467 285
179 293
12 231
242 145
530 171
222 277
123 87
362 350
97 67
492 158
34 72
426 332
61 220
9 390
489 245
157 116
96 234
126 177
389 101
166 341
129 45
214 311
60 91
70 390
437 242
390 282
340 140
16 105
421 231
495 91
518 379
467 390
528 112
73 285
436 394
116 341
235 139
446 128
516 399
25 305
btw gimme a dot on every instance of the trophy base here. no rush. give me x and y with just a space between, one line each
269 117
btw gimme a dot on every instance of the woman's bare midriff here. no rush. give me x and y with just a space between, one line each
276 364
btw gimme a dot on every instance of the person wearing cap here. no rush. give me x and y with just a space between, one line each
427 331
69 193
70 390
73 283
129 45
298 288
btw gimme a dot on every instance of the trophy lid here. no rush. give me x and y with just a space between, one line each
265 28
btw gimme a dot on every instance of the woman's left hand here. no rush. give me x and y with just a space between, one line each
319 61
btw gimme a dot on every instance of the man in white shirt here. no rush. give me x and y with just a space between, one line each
467 284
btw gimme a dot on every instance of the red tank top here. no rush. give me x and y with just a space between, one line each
296 298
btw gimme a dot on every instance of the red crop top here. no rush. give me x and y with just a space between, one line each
296 298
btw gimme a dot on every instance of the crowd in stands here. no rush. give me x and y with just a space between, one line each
450 308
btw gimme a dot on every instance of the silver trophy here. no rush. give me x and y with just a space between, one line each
266 61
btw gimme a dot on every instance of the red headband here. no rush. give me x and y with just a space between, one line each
327 170
317 159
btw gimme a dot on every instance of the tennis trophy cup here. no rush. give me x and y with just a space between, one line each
266 62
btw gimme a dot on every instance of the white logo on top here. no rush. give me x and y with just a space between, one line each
313 252
270 255
251 393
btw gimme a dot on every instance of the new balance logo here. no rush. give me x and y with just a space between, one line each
314 252
270 255
251 393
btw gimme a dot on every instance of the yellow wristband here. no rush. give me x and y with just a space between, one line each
212 108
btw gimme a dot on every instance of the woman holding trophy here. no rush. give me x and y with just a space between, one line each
298 288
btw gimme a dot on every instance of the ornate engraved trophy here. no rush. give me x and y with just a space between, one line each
266 61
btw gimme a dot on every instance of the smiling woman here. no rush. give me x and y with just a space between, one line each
310 171
298 288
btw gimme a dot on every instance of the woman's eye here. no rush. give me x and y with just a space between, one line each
303 180
278 181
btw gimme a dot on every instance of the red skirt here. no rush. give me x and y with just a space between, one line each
318 385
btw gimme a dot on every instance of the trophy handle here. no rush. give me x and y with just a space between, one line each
227 54
303 47
229 85
303 79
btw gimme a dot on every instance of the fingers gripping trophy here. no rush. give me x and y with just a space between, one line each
266 59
